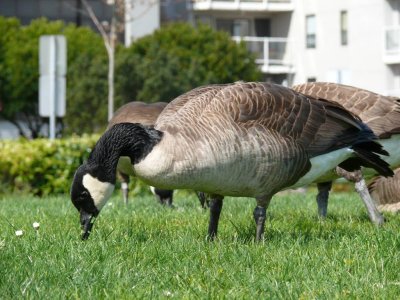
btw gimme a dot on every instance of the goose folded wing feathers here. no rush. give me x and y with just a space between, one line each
380 113
318 126
386 190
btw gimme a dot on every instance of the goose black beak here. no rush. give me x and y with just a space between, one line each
87 221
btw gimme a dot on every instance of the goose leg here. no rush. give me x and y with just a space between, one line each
215 203
164 196
260 214
361 188
203 198
124 186
322 197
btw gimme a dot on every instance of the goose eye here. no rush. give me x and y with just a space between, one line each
83 195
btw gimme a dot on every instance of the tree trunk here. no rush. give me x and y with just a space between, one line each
111 62
109 43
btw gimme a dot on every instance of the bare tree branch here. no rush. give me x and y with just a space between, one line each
109 38
96 22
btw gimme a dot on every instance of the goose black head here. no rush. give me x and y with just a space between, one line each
89 194
94 180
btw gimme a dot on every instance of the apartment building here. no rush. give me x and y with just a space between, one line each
70 11
355 42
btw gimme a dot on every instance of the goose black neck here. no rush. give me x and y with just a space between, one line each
125 139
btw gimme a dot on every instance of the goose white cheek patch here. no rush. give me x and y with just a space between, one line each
100 191
153 190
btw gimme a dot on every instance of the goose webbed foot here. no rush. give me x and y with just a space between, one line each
215 204
322 198
374 215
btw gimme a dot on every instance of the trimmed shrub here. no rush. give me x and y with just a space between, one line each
86 75
177 58
42 166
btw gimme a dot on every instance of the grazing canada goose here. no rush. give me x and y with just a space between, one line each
380 113
145 114
386 192
240 139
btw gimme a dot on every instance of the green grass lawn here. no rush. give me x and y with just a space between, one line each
148 251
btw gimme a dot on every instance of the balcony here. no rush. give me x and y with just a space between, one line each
272 53
244 5
393 93
392 45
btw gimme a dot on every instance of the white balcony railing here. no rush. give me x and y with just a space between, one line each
272 53
393 93
244 5
392 45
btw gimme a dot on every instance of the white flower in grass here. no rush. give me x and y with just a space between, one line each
19 232
168 294
36 225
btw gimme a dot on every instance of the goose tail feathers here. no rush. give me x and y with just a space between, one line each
368 156
368 153
372 160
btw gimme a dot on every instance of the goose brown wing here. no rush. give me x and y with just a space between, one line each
179 107
138 112
319 126
386 190
380 113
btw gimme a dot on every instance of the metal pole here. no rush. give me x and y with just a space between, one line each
53 89
266 52
111 63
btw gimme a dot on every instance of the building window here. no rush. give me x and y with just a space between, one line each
238 27
310 32
343 27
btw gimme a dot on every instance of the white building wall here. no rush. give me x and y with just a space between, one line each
142 18
360 62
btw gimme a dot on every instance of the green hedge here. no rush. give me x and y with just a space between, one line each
42 166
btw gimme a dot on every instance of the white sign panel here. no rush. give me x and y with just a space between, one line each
53 68
47 42
45 94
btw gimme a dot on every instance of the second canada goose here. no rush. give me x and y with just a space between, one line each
386 192
380 113
241 139
146 114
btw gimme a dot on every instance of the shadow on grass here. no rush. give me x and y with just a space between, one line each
302 230
279 227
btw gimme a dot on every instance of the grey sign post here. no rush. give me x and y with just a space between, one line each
52 82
